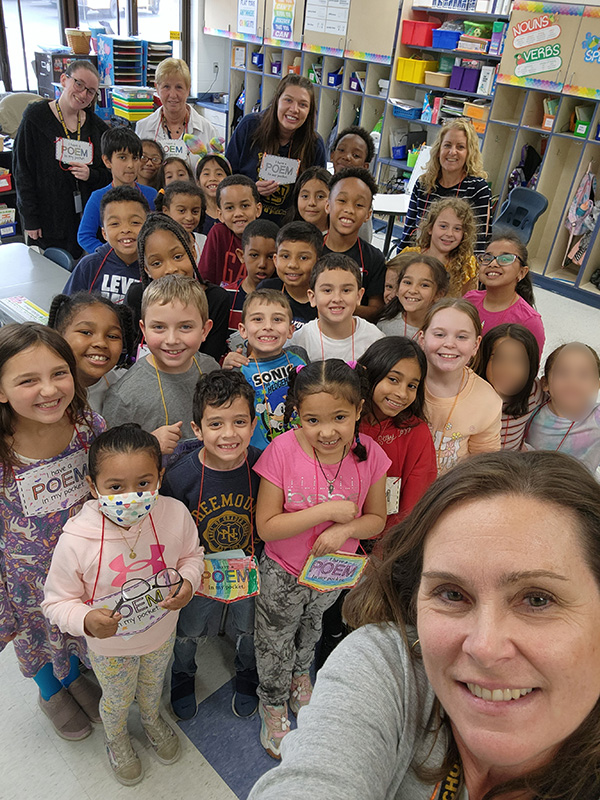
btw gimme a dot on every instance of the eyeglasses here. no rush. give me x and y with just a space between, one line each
156 160
81 87
502 259
138 587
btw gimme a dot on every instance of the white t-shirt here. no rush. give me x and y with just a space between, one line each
397 327
319 346
97 391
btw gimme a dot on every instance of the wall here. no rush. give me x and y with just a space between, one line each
205 50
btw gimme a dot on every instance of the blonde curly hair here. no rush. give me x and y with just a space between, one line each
463 253
473 163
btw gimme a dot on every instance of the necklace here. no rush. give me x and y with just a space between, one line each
503 313
162 396
330 481
132 553
442 446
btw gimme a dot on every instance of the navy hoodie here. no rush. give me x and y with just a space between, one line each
111 278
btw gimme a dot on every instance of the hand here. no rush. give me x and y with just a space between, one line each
100 624
184 596
330 540
36 234
342 511
80 171
236 359
266 188
168 437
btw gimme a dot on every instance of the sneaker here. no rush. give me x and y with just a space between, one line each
300 692
87 695
245 702
68 719
274 726
123 760
164 741
183 695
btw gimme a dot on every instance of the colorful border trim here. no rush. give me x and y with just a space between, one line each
530 83
548 8
285 43
217 32
581 91
246 37
375 58
326 51
591 11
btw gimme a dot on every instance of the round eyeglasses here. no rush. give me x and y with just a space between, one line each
81 87
138 587
156 160
502 259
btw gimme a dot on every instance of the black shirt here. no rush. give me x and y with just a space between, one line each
301 312
371 265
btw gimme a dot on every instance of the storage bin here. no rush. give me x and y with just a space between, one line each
6 182
354 85
294 69
413 111
8 230
275 67
548 122
446 39
476 111
417 33
334 78
463 79
258 59
399 153
437 78
581 129
7 216
482 30
479 125
412 70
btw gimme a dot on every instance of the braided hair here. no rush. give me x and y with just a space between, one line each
161 222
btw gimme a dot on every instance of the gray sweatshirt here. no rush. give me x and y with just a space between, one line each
364 728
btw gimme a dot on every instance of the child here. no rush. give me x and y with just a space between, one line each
256 254
570 420
394 417
45 430
121 153
266 326
392 280
184 202
98 332
157 391
509 360
462 409
448 233
354 147
298 247
349 205
422 281
113 267
219 487
164 249
175 169
210 171
336 291
150 163
311 191
508 293
239 203
322 490
126 536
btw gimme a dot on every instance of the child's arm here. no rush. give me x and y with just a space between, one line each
273 523
370 524
87 235
487 440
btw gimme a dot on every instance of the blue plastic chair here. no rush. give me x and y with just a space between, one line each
61 257
521 210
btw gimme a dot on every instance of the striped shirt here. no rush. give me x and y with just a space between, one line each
513 428
475 190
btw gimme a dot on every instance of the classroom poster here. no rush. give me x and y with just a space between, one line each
327 16
247 16
283 20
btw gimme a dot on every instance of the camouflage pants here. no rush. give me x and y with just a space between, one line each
288 621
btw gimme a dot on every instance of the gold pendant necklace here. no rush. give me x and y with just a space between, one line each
132 553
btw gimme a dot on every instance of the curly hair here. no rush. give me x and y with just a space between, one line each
157 221
473 163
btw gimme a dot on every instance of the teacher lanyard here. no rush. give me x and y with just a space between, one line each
63 123
162 396
163 124
449 788
264 390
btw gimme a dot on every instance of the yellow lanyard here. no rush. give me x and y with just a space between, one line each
62 122
162 396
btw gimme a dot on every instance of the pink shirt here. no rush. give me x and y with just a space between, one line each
285 464
520 312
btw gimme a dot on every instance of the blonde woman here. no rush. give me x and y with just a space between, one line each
455 169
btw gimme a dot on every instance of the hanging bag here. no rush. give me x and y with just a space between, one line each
580 216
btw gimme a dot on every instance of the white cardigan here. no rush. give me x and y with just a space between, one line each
150 128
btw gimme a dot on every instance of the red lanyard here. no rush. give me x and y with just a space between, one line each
360 253
322 343
231 252
163 124
535 413
233 310
100 269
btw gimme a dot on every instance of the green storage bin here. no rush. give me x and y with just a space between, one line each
482 30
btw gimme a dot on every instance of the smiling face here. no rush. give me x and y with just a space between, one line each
257 257
312 200
267 327
508 367
349 205
149 165
395 393
453 154
390 288
573 382
79 89
293 107
175 171
351 151
498 275
336 296
37 384
120 227
94 334
174 333
238 207
328 424
447 232
450 341
211 176
294 262
173 92
185 209
507 614
165 255
417 290
226 432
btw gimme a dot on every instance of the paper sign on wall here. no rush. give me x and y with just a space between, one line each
283 19
47 488
70 151
247 15
327 16
277 168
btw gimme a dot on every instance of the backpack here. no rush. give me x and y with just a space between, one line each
582 213
526 172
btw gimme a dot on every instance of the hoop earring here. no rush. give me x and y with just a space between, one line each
414 646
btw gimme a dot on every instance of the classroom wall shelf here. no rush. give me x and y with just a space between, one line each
456 53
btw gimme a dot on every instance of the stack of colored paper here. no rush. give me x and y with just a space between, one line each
132 102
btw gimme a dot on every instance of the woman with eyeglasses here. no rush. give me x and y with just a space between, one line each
150 163
508 294
52 190
455 169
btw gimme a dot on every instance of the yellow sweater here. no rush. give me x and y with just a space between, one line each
468 270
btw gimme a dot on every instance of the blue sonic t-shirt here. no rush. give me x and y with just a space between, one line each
270 380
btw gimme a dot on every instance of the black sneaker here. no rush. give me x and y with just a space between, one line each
245 702
595 279
183 696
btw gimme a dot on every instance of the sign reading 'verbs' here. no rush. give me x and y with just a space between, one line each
540 53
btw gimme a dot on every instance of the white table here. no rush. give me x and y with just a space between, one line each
393 205
24 271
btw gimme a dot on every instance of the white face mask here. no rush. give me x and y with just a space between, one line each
128 508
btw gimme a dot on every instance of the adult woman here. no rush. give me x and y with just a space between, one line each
481 672
455 169
51 193
286 128
175 117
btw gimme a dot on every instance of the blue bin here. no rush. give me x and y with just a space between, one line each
445 39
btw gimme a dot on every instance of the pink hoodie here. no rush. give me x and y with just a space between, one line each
74 570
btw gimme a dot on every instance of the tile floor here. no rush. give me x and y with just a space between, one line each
36 764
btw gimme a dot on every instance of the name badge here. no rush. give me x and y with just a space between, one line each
138 614
174 147
70 151
277 168
392 495
333 571
47 488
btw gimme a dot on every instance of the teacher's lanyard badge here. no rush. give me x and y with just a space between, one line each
76 193
229 578
450 787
